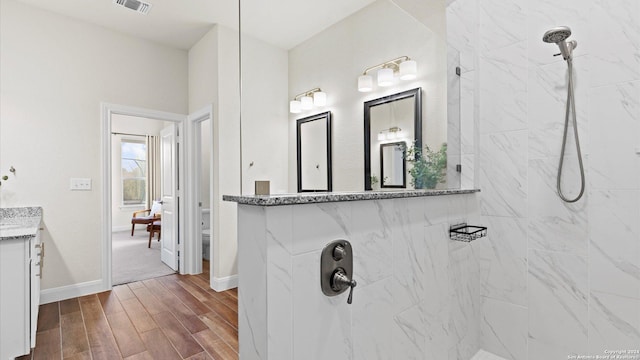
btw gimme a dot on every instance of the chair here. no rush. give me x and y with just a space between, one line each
152 215
152 228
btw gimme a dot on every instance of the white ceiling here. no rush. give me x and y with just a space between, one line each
287 23
181 23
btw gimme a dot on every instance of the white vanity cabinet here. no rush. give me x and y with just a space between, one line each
20 272
36 255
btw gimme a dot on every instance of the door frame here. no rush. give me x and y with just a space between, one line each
106 110
195 119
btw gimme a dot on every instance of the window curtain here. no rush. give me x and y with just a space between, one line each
153 169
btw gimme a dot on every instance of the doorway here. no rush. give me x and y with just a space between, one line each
137 205
203 190
131 190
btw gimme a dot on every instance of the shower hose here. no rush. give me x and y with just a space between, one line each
570 109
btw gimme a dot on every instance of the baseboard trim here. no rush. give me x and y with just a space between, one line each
92 287
71 291
225 283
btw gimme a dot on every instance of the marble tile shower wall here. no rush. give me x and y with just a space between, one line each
557 278
417 296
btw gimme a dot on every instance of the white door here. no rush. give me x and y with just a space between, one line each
169 185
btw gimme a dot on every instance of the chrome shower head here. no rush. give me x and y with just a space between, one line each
558 35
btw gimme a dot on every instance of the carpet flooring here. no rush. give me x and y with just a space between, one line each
132 260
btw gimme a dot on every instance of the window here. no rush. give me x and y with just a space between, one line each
134 172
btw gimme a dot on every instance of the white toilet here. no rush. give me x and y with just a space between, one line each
206 233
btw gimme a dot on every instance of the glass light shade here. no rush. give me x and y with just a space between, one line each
307 102
408 70
391 135
385 77
319 98
399 134
294 106
365 83
381 136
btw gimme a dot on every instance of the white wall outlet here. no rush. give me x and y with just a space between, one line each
80 184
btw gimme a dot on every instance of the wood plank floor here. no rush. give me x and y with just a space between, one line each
171 317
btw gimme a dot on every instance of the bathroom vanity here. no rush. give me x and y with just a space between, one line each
416 289
21 254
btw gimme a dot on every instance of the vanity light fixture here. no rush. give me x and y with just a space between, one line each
390 133
408 70
365 83
319 98
307 100
403 65
295 107
385 77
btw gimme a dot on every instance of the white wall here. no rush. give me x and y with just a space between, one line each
431 13
54 72
264 116
333 60
121 214
558 278
213 65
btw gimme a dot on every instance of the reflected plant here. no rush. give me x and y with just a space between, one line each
5 177
374 180
429 167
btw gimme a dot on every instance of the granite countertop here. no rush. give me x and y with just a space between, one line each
19 223
322 197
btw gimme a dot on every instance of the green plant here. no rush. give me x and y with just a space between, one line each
374 180
429 167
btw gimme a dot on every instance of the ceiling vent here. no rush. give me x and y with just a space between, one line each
139 6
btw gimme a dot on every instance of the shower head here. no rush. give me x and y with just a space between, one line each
556 34
559 36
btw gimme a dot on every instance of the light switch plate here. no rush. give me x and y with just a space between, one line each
80 184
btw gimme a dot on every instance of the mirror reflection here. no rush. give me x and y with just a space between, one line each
395 45
314 153
390 119
393 167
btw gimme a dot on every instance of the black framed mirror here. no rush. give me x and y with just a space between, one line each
313 135
393 165
389 119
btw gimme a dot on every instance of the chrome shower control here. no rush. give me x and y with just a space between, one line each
336 269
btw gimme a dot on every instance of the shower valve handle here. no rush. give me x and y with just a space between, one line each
558 54
340 280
